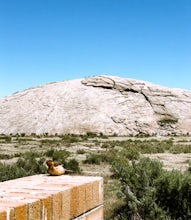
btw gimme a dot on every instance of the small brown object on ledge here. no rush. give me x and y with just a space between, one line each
55 169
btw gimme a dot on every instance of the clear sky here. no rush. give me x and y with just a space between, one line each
45 41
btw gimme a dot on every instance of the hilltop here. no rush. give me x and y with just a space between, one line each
100 104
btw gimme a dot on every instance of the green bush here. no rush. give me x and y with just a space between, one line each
91 134
5 138
143 146
31 163
5 156
173 193
26 165
151 192
92 159
31 166
108 156
49 141
8 172
58 155
168 120
177 149
96 158
80 151
73 165
71 138
131 154
50 152
105 145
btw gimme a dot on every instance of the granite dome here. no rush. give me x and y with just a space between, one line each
100 104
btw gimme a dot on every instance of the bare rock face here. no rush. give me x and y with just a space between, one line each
100 104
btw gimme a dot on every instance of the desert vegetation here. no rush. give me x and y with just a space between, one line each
138 184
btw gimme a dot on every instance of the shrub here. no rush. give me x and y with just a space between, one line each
5 156
70 138
31 166
80 151
73 165
58 155
49 141
142 146
91 134
25 166
8 172
92 159
177 149
151 192
131 154
5 138
96 158
105 145
49 153
173 193
108 156
167 120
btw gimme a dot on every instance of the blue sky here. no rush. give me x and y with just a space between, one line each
45 41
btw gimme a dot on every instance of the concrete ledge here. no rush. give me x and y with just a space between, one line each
44 197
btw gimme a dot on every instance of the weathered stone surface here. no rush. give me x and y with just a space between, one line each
106 104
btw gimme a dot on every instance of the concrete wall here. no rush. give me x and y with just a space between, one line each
44 197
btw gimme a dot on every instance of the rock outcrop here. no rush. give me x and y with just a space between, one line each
100 104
